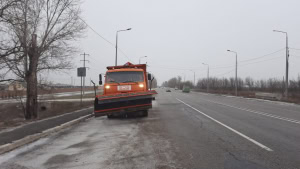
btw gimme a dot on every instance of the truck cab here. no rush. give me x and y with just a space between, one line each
124 81
126 91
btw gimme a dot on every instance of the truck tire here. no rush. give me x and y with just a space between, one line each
145 113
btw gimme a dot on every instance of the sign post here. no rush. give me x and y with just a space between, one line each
81 72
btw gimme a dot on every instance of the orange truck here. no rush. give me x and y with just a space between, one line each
126 91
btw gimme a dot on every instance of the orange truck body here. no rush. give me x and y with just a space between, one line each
125 91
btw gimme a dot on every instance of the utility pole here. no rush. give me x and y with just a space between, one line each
84 60
236 82
194 77
207 76
286 64
183 77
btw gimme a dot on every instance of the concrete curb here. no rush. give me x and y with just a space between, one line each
31 138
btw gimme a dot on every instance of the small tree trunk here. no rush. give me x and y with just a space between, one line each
31 79
31 102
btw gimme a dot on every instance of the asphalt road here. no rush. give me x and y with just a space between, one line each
193 130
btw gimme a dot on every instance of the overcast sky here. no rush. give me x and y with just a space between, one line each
178 36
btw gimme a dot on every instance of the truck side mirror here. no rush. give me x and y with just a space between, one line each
100 79
149 76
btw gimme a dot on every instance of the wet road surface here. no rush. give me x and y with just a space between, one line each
193 130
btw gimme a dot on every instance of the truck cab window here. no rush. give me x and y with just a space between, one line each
123 77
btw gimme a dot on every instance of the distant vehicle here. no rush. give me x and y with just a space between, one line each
168 90
186 89
126 91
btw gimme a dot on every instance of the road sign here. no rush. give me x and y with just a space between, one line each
81 71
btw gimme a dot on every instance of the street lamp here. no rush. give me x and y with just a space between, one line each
207 76
235 70
141 58
194 76
117 43
286 64
183 75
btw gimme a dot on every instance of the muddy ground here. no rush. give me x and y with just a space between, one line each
12 114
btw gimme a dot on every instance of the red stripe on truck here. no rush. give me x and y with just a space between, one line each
98 111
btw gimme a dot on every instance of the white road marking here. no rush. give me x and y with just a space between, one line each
254 99
257 112
224 125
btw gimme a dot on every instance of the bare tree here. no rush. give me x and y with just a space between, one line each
39 32
249 82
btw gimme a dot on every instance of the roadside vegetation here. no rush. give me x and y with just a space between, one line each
36 36
12 113
247 87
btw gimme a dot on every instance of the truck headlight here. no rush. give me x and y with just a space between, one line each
107 87
141 85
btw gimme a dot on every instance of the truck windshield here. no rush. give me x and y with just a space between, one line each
124 77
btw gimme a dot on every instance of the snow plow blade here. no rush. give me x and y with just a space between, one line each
123 103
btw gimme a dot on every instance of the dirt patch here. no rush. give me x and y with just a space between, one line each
12 114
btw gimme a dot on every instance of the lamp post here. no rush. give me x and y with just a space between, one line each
141 58
207 76
183 76
194 76
286 64
235 70
116 62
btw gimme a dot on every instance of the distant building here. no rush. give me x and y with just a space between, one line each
17 86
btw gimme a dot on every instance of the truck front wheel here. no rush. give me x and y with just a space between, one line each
110 116
145 113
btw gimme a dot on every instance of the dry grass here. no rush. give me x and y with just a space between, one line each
16 94
12 114
293 98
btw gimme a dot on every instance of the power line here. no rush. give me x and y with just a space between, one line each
296 56
248 64
84 60
294 48
125 55
163 67
104 38
100 35
224 73
263 55
261 61
247 60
